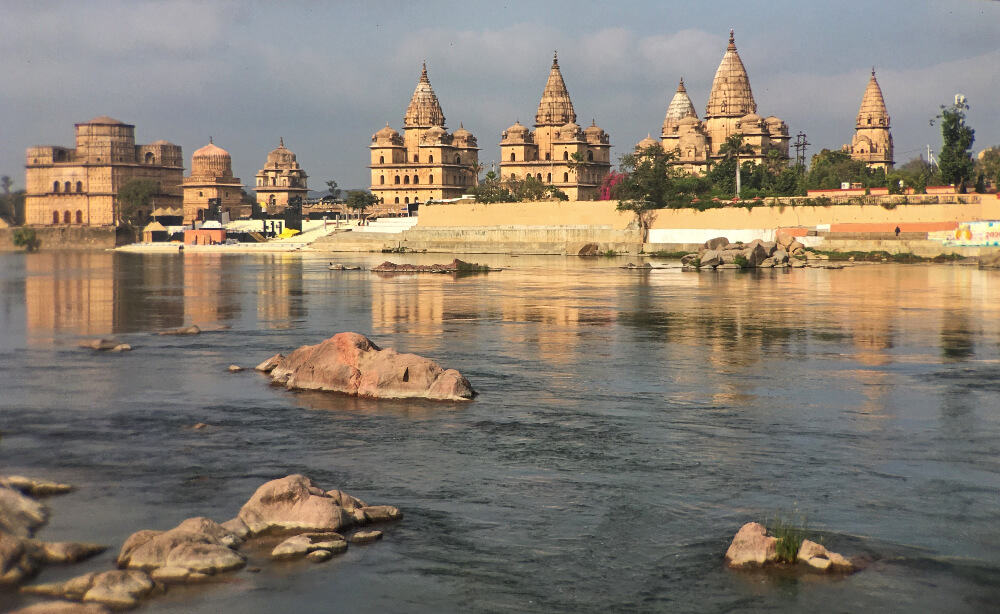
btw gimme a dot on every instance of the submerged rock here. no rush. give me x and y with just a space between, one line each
118 590
366 537
182 330
350 363
199 545
63 607
20 515
34 487
818 557
16 561
306 543
100 345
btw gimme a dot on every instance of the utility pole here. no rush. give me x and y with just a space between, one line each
800 149
930 157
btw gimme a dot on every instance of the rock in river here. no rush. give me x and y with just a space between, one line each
351 364
752 546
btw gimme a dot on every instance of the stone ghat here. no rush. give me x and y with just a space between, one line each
198 549
719 253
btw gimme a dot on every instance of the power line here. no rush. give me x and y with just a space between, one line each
800 149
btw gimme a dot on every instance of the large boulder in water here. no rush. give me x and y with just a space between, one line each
20 515
752 546
293 504
196 546
351 364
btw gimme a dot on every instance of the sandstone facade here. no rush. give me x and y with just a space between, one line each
557 152
872 141
79 186
280 180
426 162
211 178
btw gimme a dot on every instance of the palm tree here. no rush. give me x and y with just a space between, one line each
734 147
476 168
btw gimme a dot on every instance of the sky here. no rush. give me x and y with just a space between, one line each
326 75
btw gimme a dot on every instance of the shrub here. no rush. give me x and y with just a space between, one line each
26 238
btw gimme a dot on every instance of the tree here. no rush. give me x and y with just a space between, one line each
476 168
988 164
359 200
7 211
25 237
955 161
6 182
333 190
830 168
651 182
134 202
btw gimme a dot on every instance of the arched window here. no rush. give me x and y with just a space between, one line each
565 177
79 187
274 181
458 159
406 200
381 159
513 175
55 217
150 158
416 179
590 156
397 180
67 187
406 180
397 200
512 156
538 176
66 217
381 180
548 156
416 157
548 177
55 186
430 180
565 155
200 215
79 216
430 159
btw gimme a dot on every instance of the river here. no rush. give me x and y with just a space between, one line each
628 423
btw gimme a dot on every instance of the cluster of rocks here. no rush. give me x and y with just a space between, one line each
182 330
105 345
719 253
753 547
455 266
350 363
21 514
199 548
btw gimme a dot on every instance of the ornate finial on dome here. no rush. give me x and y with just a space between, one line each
732 39
555 58
680 86
423 72
873 71
593 121
209 140
281 141
461 126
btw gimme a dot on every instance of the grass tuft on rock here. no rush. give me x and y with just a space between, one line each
790 531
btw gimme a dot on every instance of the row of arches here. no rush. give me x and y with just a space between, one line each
416 159
67 217
67 187
531 156
416 180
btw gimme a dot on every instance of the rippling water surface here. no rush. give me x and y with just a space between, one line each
628 423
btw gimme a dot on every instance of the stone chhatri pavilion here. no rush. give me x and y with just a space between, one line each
731 110
211 177
80 185
557 152
872 141
280 180
426 162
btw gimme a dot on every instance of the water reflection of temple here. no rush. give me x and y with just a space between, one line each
68 292
279 290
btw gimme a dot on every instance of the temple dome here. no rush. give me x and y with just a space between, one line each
104 120
731 95
679 108
211 161
873 111
435 135
555 107
281 157
424 109
569 132
646 143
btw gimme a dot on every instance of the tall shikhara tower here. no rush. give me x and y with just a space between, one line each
872 141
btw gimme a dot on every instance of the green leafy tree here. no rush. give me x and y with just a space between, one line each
6 200
135 200
955 161
652 182
830 168
359 200
988 164
25 237
332 190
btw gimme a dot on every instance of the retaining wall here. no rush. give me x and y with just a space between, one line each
64 237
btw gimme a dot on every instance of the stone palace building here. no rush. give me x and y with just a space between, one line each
557 152
426 162
731 110
211 177
80 185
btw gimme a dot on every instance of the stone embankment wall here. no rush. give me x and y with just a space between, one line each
565 227
63 237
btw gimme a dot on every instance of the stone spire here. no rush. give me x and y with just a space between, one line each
680 107
424 110
555 108
730 95
873 111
